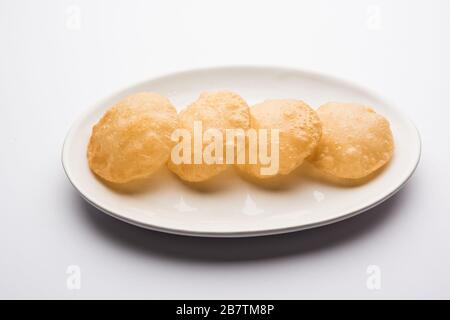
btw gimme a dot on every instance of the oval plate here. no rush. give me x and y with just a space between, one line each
230 206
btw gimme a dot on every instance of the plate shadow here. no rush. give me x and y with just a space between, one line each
235 250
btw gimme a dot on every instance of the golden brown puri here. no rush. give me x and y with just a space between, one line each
299 132
132 139
218 110
355 141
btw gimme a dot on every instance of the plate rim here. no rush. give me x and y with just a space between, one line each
238 234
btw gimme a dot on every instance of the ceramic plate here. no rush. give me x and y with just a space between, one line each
230 205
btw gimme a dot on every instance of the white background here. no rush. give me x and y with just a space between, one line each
52 69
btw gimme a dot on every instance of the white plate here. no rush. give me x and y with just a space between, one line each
230 206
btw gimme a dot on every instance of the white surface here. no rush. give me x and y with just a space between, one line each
229 205
51 74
